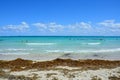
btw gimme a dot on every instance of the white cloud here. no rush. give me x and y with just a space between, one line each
40 25
108 27
52 27
81 25
110 24
18 28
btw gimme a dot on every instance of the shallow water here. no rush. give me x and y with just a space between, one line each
59 44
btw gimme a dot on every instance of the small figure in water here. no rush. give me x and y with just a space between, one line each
26 41
101 39
69 38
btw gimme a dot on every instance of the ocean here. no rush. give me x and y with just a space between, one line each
59 44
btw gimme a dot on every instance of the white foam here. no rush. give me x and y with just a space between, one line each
101 51
14 53
91 43
14 49
110 50
85 51
97 43
18 49
42 44
53 51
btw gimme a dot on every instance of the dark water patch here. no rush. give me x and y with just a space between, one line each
1 40
66 55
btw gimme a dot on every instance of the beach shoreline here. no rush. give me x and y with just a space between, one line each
60 58
52 56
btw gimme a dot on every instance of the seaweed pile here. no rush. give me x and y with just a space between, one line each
21 64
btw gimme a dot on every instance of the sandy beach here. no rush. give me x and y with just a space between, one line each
60 69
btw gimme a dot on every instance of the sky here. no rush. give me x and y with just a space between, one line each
59 17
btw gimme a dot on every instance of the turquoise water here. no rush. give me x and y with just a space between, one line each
59 44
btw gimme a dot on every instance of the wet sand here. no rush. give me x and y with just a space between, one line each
52 56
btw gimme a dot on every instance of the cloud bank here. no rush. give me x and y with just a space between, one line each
52 27
17 28
106 27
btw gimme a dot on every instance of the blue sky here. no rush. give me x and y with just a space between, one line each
60 17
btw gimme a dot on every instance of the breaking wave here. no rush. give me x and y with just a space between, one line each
85 51
97 43
41 44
